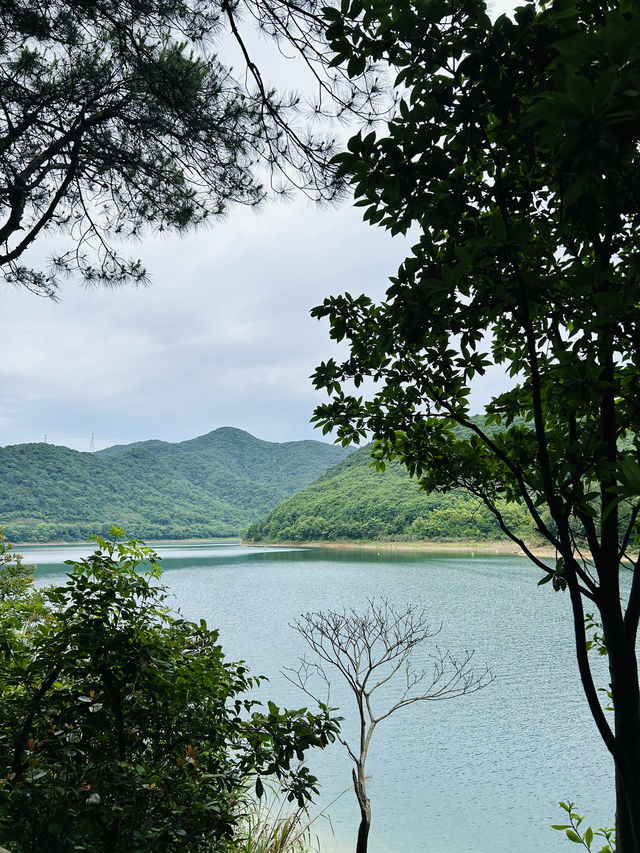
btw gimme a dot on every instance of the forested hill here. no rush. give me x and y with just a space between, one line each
213 485
352 501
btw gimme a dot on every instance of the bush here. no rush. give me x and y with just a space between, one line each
123 728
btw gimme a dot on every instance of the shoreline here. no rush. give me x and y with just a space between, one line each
498 546
150 542
501 547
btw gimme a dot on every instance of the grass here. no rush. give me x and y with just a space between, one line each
274 826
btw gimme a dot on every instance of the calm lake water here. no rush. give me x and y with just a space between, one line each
478 774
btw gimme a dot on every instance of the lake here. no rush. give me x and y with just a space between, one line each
478 774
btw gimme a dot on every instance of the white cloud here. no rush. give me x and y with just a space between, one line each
223 336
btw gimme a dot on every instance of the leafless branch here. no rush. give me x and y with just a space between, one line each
372 649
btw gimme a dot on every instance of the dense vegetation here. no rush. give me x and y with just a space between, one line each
353 501
122 727
213 485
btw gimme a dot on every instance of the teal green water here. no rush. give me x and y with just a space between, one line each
479 774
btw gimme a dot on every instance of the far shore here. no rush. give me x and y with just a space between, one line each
498 546
151 542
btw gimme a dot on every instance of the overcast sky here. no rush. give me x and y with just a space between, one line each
222 337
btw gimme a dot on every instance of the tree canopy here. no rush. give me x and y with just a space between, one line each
352 502
514 156
117 118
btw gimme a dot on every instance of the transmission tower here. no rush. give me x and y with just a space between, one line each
92 445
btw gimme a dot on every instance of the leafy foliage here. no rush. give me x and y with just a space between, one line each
354 502
119 117
123 728
585 837
20 603
16 578
213 485
514 154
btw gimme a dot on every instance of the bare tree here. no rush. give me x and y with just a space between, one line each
373 649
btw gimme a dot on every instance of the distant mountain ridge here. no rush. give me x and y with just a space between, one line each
212 485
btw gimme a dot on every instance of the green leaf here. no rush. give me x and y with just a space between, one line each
580 90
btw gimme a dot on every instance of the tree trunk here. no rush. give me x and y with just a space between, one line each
627 729
628 810
365 809
625 693
622 735
363 832
624 828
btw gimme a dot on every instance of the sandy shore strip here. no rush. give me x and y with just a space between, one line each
499 546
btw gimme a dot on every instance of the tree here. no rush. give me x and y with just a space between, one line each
117 118
16 578
372 650
123 728
514 156
20 603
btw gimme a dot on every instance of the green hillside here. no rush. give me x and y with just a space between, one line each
352 501
213 485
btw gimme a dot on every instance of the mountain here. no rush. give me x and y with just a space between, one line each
352 502
213 485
